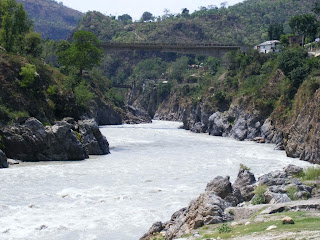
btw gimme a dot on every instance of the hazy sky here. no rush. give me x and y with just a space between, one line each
135 8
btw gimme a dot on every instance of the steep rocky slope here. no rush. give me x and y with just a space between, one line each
48 97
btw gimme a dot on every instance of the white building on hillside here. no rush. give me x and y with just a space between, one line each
268 46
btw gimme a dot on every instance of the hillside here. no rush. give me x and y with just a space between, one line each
52 19
244 23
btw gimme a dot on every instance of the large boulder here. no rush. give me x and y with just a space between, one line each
274 178
32 141
92 139
220 186
293 170
3 160
245 183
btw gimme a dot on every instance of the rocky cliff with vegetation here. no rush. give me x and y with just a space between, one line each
35 96
261 97
266 98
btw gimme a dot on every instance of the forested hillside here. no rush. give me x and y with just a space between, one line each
245 23
52 19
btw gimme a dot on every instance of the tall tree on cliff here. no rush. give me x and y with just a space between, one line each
83 53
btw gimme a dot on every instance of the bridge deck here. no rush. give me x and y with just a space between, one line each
207 49
166 45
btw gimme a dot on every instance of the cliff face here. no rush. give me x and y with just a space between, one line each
297 133
302 138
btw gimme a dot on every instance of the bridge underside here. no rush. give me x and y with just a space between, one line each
215 51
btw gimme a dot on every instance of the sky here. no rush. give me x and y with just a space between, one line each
135 8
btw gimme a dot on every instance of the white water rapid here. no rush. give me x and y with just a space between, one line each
153 171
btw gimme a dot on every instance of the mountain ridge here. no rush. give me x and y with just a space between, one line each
52 19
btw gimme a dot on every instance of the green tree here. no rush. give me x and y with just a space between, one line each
28 74
213 64
178 68
275 31
185 12
149 69
146 16
32 42
14 24
125 18
305 25
293 63
284 40
83 53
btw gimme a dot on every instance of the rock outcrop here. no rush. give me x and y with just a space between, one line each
67 140
3 160
32 141
208 208
92 139
135 115
211 206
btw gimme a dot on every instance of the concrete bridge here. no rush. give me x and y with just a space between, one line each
209 49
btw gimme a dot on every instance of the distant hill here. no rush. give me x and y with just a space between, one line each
52 19
244 23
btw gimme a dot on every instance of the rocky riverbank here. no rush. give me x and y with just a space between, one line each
223 201
66 140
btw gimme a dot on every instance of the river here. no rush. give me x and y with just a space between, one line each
153 171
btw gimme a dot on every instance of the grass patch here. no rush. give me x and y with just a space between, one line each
311 173
291 190
302 223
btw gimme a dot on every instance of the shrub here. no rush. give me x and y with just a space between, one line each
115 98
52 90
244 167
28 74
83 95
259 195
224 228
78 135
